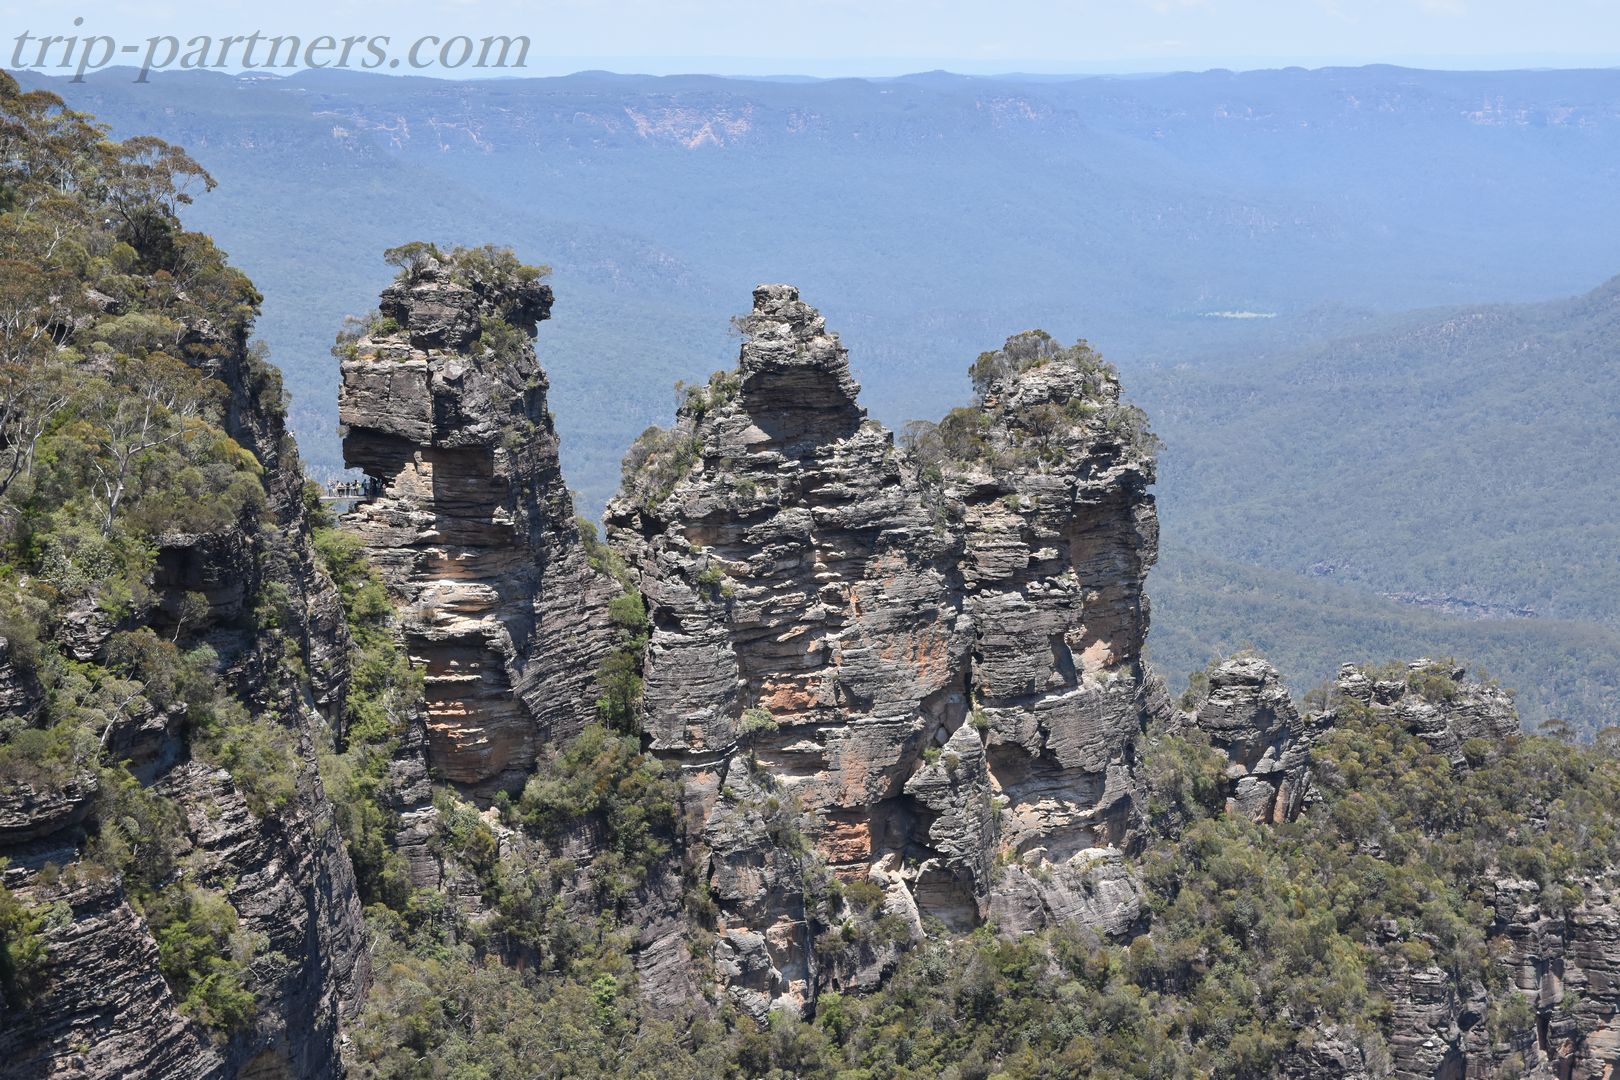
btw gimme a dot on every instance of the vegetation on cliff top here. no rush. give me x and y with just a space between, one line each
117 327
1001 433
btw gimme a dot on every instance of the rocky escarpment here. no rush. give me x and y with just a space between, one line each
934 653
1556 951
101 1007
108 1012
469 521
1048 478
1437 1029
1567 964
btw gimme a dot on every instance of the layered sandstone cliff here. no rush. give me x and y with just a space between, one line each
933 653
469 521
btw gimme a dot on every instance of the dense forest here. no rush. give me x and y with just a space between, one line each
1455 460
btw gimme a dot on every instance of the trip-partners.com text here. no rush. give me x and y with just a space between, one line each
83 53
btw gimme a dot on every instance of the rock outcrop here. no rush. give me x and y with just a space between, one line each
1561 958
469 521
903 685
1567 963
1564 964
106 1011
934 653
1048 479
1436 702
1247 714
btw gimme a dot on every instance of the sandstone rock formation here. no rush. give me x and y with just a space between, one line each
934 653
444 408
903 684
1568 964
107 1011
1437 703
1247 714
1049 480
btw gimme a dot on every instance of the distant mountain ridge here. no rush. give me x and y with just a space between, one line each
1464 453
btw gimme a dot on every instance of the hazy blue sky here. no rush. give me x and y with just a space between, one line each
826 37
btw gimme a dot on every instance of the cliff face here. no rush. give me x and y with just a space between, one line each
936 659
104 1010
1058 531
444 408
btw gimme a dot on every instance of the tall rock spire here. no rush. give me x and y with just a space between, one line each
444 407
795 374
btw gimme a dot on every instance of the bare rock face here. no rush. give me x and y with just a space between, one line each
30 813
105 1011
1248 715
444 407
934 653
1331 1053
1094 888
292 884
1567 965
1049 480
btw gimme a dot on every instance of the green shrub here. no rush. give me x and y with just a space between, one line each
384 689
656 462
713 582
466 835
254 749
756 720
605 777
23 952
618 678
204 955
